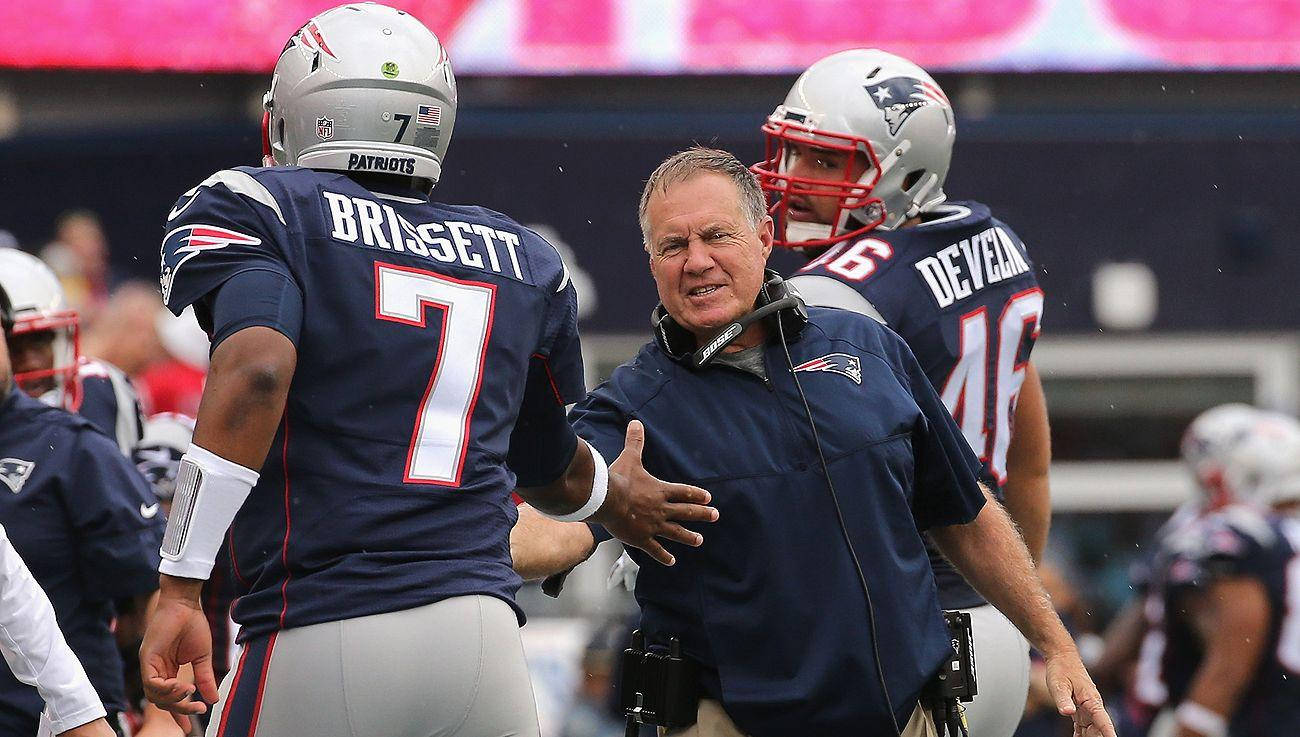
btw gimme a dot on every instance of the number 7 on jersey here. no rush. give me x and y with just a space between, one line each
440 438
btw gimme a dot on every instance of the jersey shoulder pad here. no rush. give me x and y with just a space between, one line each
226 191
819 290
950 216
226 222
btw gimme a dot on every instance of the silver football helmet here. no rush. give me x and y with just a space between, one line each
361 87
1209 442
884 112
1264 466
39 306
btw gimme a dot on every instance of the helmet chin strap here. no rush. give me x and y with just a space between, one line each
798 231
268 158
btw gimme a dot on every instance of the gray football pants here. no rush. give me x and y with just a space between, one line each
454 668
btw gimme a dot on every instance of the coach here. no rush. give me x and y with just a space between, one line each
811 606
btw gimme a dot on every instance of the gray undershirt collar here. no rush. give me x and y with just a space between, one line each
749 360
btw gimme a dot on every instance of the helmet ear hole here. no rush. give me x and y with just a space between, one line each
912 178
315 61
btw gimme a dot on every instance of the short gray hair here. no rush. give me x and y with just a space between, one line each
696 160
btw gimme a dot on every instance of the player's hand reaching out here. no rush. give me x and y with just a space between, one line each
640 507
1076 696
178 634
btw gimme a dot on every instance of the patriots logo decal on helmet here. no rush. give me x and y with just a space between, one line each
188 241
899 97
836 363
14 473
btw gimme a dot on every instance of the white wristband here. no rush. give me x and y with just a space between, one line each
1201 719
599 488
209 492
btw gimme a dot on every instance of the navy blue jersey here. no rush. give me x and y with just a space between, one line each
110 403
772 602
960 289
88 526
423 331
1239 542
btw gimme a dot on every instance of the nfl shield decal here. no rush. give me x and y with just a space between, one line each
324 128
836 363
14 473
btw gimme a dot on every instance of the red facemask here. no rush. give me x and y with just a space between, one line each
852 196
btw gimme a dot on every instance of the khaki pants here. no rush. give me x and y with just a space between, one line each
714 722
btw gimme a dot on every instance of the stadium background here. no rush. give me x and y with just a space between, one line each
1142 150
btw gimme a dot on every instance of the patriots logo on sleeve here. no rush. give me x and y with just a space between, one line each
836 363
188 241
14 472
899 97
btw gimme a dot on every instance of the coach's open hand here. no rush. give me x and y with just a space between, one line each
178 634
640 507
1076 696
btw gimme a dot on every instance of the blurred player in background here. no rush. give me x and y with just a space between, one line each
86 524
378 359
44 346
856 160
33 647
1228 628
1135 640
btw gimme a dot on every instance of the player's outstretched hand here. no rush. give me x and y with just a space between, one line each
1076 696
178 634
640 507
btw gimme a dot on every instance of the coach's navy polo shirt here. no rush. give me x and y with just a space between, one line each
772 600
88 527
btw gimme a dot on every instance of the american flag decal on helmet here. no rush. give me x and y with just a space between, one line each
836 363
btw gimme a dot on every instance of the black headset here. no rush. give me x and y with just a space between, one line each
775 300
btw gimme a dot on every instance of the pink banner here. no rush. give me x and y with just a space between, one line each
1222 33
744 34
676 36
183 35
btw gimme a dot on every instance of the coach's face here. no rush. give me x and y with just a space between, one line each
706 259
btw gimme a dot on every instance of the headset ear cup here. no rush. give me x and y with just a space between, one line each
792 320
672 338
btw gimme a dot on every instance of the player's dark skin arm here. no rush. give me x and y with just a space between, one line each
638 509
243 402
990 553
1232 619
1026 493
